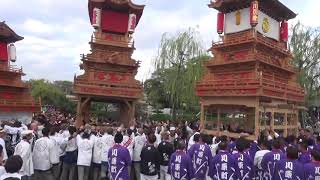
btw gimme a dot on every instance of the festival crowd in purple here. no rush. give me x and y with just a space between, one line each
59 151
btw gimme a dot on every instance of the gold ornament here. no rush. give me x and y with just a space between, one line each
265 25
238 18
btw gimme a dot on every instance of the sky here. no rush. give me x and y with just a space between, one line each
56 32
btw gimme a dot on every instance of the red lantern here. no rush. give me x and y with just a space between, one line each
284 31
220 23
254 13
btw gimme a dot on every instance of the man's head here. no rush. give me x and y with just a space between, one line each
241 144
13 164
181 145
152 138
166 135
303 146
196 138
292 153
223 145
118 138
46 131
276 144
315 155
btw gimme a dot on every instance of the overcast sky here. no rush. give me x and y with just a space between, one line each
56 32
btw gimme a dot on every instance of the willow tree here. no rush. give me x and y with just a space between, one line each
179 63
305 46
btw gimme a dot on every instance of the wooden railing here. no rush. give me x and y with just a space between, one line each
18 103
11 83
79 81
263 85
11 69
250 36
112 39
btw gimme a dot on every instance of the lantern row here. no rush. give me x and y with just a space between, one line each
7 52
96 20
254 14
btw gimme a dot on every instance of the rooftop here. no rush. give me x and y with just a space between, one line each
273 8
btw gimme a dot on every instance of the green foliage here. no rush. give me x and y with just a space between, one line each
178 66
51 94
305 46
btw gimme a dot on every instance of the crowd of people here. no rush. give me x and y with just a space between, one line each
45 149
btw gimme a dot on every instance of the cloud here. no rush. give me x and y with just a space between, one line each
57 31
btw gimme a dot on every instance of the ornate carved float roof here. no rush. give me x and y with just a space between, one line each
273 8
118 5
7 34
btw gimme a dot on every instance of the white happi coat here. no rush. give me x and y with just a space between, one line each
128 142
107 142
139 142
97 149
85 147
3 144
57 141
41 154
23 149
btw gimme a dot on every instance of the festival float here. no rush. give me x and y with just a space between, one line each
250 83
109 70
16 103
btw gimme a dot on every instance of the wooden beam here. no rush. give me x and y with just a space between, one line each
285 125
219 120
202 123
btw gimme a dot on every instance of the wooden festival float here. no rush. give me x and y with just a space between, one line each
250 82
109 69
16 102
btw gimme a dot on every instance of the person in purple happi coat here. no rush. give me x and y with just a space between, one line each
289 168
317 144
312 169
244 161
305 155
201 156
223 165
270 159
119 159
180 165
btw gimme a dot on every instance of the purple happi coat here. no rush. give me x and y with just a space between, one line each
119 160
180 166
316 147
288 169
245 165
305 157
312 170
269 161
201 157
224 167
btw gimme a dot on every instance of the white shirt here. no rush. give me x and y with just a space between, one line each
71 144
2 170
128 142
23 149
85 147
191 141
57 142
107 142
97 149
258 158
14 131
3 144
7 175
41 154
139 142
